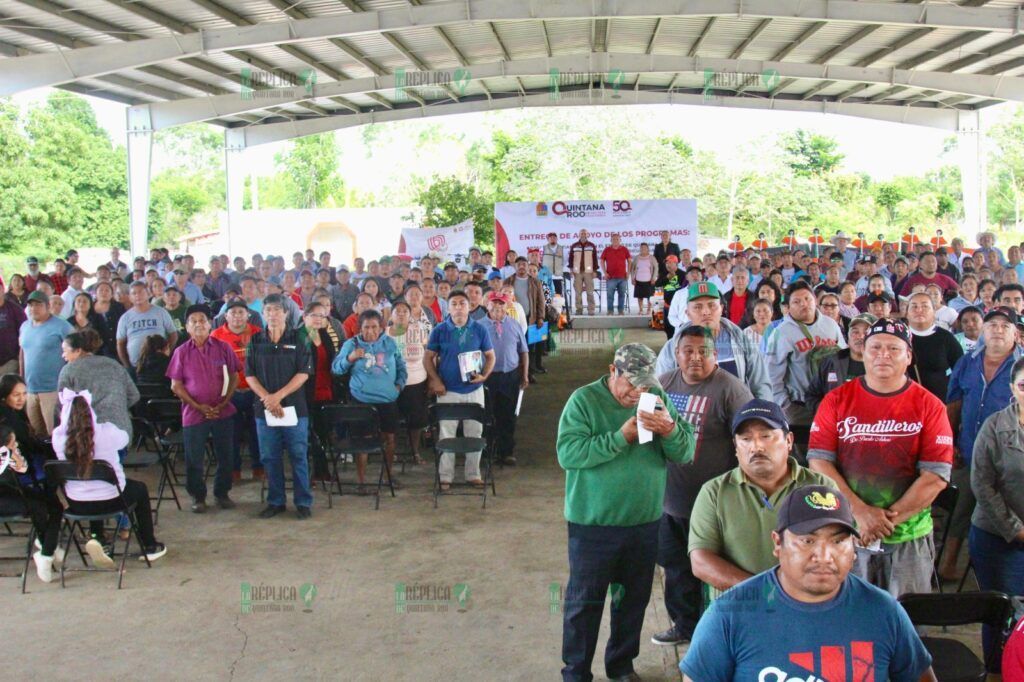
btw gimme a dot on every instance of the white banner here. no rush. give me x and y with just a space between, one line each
525 224
443 242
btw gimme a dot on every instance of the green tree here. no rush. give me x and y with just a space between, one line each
312 166
888 195
449 201
811 154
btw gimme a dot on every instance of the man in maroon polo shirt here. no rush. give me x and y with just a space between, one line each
204 374
615 264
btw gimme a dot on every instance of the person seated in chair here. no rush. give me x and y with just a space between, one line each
20 495
79 439
378 377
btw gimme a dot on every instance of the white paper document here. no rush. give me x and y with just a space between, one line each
519 402
290 418
647 403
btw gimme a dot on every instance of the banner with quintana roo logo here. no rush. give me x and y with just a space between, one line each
444 242
524 225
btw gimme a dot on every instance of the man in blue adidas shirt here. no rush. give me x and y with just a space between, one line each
808 619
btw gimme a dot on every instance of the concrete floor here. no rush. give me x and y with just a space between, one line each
183 618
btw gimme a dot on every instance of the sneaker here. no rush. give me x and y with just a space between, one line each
271 511
258 475
303 512
670 637
44 566
94 548
198 506
153 552
226 502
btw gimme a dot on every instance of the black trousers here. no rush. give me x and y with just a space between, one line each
42 506
536 355
684 595
619 559
134 491
316 425
503 388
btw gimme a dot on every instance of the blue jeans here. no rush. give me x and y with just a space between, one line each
221 432
601 557
245 423
998 565
612 287
273 441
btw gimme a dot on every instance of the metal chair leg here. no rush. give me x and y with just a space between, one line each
28 558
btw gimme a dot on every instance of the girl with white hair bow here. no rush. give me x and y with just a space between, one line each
81 440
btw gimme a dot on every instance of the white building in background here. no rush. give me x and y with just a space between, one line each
345 232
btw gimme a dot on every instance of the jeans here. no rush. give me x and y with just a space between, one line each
245 423
998 565
613 287
222 432
134 492
273 441
603 557
683 592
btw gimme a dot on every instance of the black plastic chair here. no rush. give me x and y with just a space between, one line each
362 435
58 474
945 501
164 414
20 518
952 660
462 445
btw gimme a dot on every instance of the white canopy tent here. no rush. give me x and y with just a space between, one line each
351 62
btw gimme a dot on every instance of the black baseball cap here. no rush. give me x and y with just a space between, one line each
884 296
811 507
199 308
891 327
868 259
763 410
235 303
1002 311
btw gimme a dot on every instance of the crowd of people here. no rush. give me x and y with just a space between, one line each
811 403
253 351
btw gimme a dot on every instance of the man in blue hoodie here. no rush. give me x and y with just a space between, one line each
378 376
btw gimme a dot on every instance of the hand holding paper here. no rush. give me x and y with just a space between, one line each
647 403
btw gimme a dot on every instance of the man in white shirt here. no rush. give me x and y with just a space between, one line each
76 285
722 279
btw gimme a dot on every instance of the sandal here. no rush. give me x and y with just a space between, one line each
477 483
445 487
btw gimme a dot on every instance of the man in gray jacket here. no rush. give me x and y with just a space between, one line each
791 355
737 354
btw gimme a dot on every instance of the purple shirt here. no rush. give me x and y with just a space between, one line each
200 369
11 318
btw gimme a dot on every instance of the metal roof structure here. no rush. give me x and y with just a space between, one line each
269 70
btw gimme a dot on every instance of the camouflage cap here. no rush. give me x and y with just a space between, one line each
636 361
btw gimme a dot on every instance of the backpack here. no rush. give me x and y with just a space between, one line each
817 354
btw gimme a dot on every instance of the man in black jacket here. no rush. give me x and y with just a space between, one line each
666 247
844 365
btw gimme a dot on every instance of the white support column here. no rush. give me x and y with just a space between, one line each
140 160
973 180
234 150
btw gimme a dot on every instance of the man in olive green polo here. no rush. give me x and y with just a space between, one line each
735 513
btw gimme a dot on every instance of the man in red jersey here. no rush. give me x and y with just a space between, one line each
886 441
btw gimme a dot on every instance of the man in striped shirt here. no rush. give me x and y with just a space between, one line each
707 397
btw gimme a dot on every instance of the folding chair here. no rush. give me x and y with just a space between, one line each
58 474
20 518
164 414
142 429
362 435
946 502
952 660
462 445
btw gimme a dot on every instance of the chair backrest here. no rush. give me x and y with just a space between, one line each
959 608
946 500
59 472
148 391
457 412
365 416
164 411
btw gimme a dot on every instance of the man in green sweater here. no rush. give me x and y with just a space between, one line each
614 490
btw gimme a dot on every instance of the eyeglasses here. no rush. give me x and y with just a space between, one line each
829 305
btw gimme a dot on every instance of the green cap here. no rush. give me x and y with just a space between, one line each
637 362
866 318
702 290
38 297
